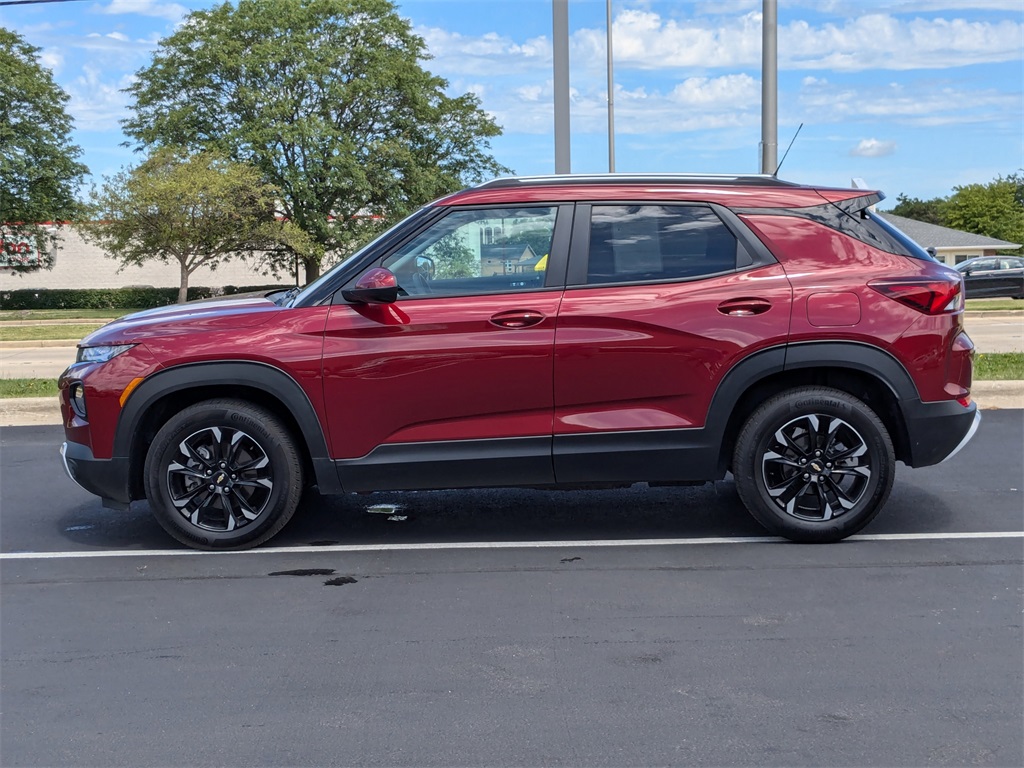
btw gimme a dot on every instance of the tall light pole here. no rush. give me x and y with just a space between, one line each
769 86
611 96
560 48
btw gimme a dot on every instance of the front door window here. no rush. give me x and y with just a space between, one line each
477 251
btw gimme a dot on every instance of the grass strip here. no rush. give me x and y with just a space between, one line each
28 388
45 332
999 366
72 314
993 305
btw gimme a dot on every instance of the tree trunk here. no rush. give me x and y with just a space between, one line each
183 288
312 269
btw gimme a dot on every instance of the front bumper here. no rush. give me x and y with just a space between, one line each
106 478
937 431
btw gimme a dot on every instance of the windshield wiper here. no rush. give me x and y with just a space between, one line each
287 296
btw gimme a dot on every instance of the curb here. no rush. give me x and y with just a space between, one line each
40 411
65 321
39 344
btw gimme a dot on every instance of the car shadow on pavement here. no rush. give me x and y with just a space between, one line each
502 514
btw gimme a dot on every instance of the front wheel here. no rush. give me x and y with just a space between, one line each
814 464
223 474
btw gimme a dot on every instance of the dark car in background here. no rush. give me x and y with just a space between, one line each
557 332
991 277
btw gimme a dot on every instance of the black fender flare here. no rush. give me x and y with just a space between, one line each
863 358
226 375
741 377
858 356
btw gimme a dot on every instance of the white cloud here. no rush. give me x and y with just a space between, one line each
921 104
169 11
97 104
51 59
647 40
873 148
730 91
918 6
881 41
455 53
692 104
529 92
644 40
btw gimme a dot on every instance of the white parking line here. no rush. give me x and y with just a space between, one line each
454 545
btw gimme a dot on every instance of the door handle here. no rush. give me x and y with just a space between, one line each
516 318
744 307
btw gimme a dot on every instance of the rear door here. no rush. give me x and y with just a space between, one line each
661 301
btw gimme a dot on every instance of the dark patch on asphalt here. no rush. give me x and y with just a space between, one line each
304 572
569 559
327 543
648 658
835 717
339 581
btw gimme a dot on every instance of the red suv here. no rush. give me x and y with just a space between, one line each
548 332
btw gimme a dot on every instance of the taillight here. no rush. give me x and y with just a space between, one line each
931 295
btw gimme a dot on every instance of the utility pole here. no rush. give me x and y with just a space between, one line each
769 86
560 45
611 96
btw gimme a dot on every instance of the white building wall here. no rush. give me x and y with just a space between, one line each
79 264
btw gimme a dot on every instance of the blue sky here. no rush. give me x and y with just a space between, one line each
913 96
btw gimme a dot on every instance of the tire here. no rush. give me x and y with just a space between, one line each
814 464
223 474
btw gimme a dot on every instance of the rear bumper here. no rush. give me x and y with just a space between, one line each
106 478
937 431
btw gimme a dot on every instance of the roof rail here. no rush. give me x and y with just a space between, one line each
722 179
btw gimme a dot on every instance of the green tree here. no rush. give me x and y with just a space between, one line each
930 211
992 209
453 258
195 210
539 239
39 170
328 99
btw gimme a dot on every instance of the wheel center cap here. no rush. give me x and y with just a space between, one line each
816 466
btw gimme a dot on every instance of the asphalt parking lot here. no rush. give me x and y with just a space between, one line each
630 627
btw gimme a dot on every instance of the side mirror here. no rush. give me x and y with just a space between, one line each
377 286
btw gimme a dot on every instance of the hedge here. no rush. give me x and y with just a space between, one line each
116 298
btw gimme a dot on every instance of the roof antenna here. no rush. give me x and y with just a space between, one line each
776 174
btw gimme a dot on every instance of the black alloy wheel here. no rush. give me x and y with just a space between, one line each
223 474
814 464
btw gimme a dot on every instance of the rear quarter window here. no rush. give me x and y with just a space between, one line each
855 219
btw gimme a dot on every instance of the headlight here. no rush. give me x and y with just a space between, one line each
101 354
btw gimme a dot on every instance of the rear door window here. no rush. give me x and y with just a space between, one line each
641 243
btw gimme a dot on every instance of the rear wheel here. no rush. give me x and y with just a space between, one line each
223 474
814 464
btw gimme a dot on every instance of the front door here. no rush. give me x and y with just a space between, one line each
450 386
